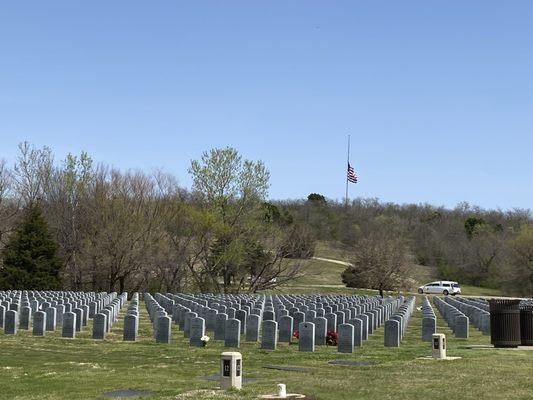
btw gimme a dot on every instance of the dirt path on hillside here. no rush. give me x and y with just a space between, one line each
345 263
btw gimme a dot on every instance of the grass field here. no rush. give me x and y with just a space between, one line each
323 276
55 368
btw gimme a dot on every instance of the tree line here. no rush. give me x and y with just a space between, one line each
135 231
489 248
119 230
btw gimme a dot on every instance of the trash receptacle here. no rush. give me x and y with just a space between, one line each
505 322
526 325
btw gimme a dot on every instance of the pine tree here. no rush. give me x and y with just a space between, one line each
29 259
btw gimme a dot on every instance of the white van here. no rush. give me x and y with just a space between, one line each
440 287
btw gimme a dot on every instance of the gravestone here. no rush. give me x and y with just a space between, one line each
79 319
392 333
269 339
107 314
252 328
286 329
321 327
298 317
181 318
34 305
376 313
99 326
346 338
197 331
211 319
241 316
461 327
370 324
93 308
399 318
51 313
69 325
85 316
187 325
364 319
269 316
220 325
306 339
280 313
310 315
25 317
39 322
357 331
162 334
231 312
332 322
232 333
2 316
60 310
340 319
429 327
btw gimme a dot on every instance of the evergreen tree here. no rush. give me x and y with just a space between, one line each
29 259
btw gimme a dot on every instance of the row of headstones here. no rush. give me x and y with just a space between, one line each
396 326
15 300
457 321
27 303
194 325
131 319
270 311
477 316
477 302
429 321
349 333
232 310
254 306
104 319
50 313
161 321
42 301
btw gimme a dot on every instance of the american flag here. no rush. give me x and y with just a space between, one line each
352 177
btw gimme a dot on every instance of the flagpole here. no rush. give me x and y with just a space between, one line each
347 162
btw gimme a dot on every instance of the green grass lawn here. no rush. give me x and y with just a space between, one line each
55 368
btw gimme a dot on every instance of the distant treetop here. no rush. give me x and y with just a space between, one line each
316 197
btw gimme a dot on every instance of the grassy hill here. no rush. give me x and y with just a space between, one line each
321 276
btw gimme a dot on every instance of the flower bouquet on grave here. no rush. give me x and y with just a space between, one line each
296 334
204 340
332 338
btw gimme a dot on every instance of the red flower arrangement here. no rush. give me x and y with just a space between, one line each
332 338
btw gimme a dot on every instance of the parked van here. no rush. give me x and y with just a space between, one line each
440 287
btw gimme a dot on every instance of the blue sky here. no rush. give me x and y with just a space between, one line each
437 95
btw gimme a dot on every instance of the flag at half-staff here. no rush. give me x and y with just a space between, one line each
352 176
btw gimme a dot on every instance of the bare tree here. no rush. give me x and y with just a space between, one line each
380 261
9 207
32 171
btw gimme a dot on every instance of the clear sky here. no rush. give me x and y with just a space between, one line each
437 95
